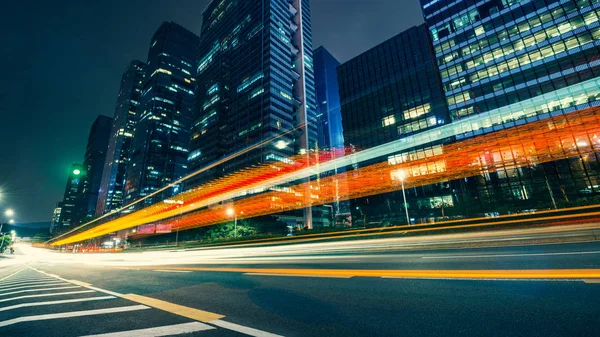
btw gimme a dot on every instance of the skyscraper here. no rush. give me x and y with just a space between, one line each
160 146
93 162
509 62
329 117
255 84
390 92
112 187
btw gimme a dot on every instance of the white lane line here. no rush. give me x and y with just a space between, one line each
169 330
173 271
242 329
52 284
504 255
46 295
33 290
72 314
14 281
75 300
15 273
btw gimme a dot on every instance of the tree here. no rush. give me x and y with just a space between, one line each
5 241
228 230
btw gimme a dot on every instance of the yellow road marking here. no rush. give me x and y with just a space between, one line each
436 274
290 275
195 314
80 283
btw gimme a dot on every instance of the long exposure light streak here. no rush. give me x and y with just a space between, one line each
262 190
572 97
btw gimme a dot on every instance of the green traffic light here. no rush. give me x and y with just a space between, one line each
76 172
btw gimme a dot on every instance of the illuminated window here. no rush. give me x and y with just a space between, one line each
389 120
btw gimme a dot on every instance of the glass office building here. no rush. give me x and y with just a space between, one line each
389 93
255 86
255 82
508 62
329 116
112 187
160 145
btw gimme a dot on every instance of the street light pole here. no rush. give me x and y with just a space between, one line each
401 175
231 212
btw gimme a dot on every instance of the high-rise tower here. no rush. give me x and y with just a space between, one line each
112 187
160 146
255 85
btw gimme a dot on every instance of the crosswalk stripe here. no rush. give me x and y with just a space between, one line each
25 284
72 314
53 283
32 290
169 330
38 279
243 329
75 300
45 295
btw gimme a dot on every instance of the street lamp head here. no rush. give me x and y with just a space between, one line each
11 221
401 175
230 211
9 212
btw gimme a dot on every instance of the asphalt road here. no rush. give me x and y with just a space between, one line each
121 297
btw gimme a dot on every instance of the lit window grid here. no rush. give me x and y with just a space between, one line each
489 32
573 43
534 12
516 37
495 62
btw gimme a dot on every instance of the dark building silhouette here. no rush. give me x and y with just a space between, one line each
93 161
388 93
160 145
112 187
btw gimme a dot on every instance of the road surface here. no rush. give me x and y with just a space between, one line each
524 290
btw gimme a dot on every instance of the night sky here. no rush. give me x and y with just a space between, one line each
62 62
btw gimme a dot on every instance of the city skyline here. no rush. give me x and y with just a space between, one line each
41 184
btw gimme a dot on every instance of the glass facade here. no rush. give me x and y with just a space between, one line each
329 116
112 187
391 91
255 82
387 94
508 62
160 145
255 86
